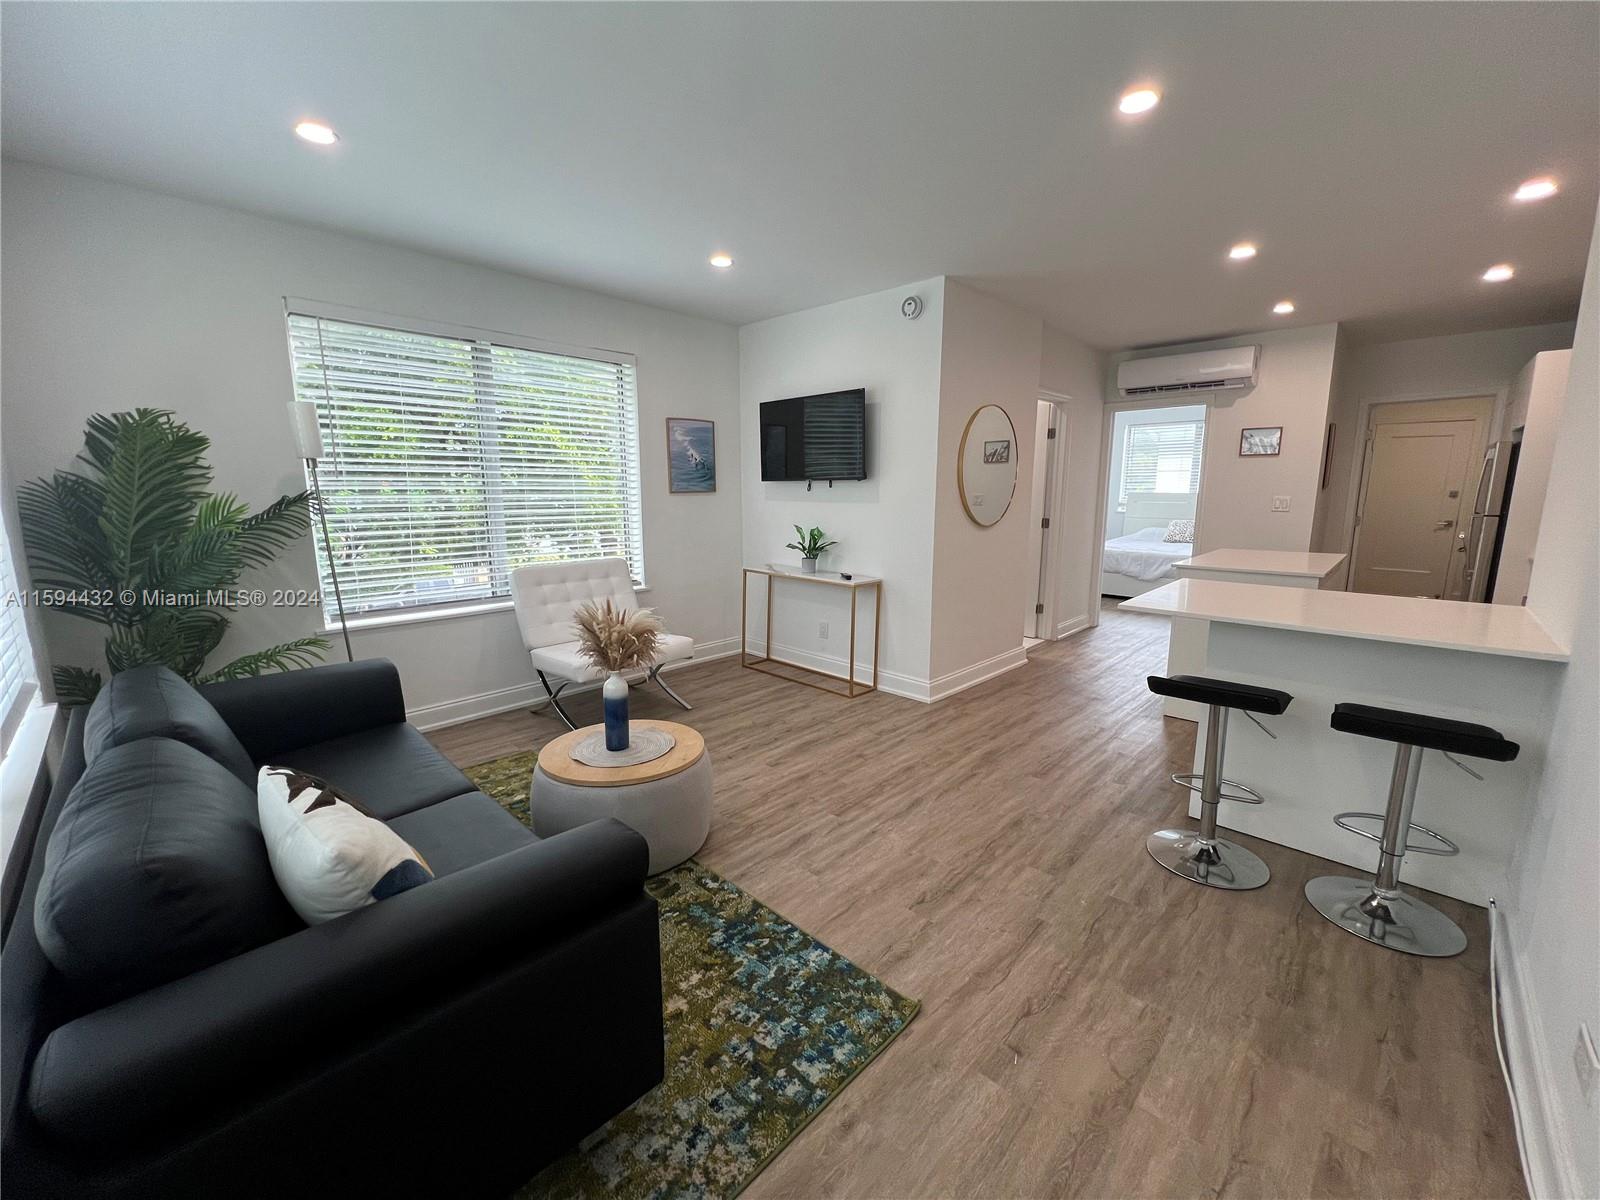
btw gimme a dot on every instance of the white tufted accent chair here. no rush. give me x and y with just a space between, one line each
547 594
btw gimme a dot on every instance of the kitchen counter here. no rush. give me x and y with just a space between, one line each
1291 563
1412 621
1489 664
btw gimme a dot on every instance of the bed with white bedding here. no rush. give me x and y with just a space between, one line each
1137 562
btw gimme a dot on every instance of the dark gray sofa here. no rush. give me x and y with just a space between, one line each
448 1041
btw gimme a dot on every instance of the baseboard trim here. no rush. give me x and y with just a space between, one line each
531 695
948 685
1076 625
895 684
1552 1171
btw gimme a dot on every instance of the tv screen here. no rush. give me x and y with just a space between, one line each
815 437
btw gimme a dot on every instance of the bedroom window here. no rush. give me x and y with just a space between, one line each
1163 458
454 456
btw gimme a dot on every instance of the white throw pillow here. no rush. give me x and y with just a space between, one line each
1179 531
328 856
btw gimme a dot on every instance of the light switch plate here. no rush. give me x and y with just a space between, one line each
1280 504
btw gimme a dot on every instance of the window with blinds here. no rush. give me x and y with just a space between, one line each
17 684
1163 457
451 460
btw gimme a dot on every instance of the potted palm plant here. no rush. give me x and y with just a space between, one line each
138 543
811 545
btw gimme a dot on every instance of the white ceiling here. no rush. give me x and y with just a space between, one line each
837 149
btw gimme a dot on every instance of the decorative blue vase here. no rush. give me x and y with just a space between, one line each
615 693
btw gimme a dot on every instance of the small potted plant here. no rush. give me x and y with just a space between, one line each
616 640
811 545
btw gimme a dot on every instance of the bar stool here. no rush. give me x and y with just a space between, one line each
1202 856
1378 910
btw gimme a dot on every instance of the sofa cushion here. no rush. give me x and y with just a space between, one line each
154 701
461 832
389 770
328 856
155 869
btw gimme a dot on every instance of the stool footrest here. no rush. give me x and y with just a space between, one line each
1239 793
1442 845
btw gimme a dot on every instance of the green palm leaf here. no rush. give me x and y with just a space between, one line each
303 652
138 526
261 536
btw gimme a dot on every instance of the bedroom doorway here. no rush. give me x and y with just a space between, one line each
1154 455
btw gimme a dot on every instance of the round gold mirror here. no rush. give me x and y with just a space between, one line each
986 466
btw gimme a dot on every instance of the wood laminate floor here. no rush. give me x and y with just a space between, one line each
1091 1025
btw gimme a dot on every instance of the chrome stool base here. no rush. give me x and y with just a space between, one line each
1401 923
1219 863
1229 789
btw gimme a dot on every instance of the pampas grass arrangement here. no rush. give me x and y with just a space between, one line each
616 639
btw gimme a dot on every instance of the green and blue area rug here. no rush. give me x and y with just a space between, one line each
765 1025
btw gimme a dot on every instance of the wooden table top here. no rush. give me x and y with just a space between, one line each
556 760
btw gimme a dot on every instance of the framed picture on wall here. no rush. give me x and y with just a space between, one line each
691 455
1257 442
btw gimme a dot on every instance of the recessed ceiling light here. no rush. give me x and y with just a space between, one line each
1498 273
1283 307
721 261
1536 189
1243 250
316 132
1139 100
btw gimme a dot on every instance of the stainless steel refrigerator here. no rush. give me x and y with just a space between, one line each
1487 530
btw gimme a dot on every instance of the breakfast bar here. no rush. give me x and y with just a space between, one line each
1489 664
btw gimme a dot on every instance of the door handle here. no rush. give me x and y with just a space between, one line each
1444 524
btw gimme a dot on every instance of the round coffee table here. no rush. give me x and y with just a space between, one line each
667 800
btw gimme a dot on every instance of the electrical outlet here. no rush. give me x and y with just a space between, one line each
822 630
1587 1062
1280 504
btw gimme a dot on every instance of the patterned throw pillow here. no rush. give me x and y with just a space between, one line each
1179 531
329 855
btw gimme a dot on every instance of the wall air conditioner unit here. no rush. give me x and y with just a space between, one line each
1202 371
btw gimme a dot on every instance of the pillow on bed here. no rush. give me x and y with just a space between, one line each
1179 531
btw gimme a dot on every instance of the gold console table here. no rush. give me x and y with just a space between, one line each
764 662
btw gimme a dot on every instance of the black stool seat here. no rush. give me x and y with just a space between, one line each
1419 729
1223 692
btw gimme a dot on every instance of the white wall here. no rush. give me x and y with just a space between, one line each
1553 912
1534 405
117 298
884 523
1292 390
1069 368
1468 364
990 355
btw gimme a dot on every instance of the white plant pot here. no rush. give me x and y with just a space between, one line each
808 566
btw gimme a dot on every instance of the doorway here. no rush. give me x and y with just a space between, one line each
1154 456
1416 496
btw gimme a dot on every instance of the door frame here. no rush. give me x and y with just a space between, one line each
1108 421
1050 553
1366 411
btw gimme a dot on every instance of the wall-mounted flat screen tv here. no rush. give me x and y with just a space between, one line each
815 437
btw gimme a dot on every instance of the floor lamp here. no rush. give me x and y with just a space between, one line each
308 437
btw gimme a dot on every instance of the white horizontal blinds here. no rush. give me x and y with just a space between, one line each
453 460
16 659
1163 457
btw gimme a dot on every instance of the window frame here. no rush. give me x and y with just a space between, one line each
299 306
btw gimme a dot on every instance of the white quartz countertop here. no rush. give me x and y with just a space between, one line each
1501 629
1266 562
